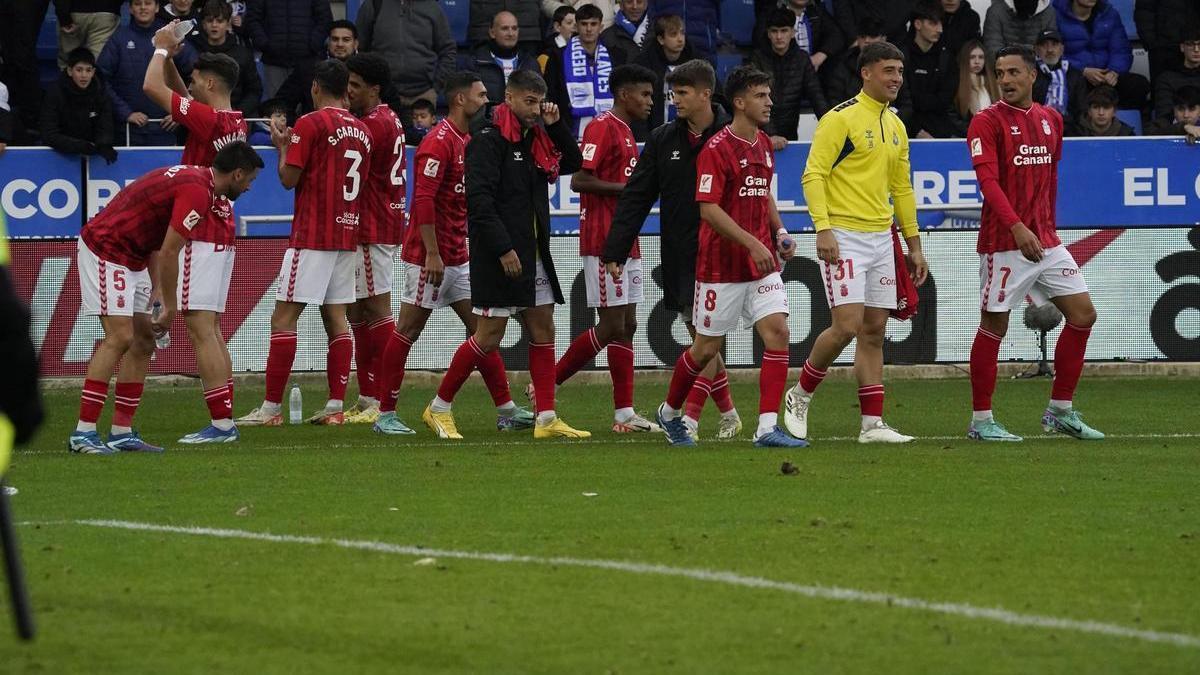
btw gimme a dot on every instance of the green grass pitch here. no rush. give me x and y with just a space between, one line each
1053 528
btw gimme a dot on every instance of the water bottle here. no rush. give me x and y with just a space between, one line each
183 28
163 341
295 406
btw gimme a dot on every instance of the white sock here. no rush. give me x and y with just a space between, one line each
270 408
85 427
1060 405
668 412
766 423
333 405
365 402
438 405
546 417
116 430
981 416
623 415
507 408
869 421
224 425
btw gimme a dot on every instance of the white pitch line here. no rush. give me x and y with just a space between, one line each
995 614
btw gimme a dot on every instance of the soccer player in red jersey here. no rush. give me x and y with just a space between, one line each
205 110
158 213
380 230
325 158
1015 146
737 273
609 155
436 268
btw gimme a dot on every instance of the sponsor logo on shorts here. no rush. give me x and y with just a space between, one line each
1070 272
542 281
764 289
887 281
706 183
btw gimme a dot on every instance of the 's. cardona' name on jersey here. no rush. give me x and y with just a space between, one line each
754 187
1032 154
341 133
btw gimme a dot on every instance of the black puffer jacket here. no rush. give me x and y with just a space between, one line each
931 79
288 31
75 120
794 85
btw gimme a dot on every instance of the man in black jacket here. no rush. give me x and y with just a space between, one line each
930 75
667 169
629 32
77 115
215 26
501 56
793 79
960 24
509 164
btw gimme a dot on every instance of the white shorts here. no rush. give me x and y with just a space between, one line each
375 266
603 291
455 286
717 307
109 289
865 273
1005 278
543 295
317 277
204 272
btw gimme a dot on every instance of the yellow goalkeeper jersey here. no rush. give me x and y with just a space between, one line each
858 174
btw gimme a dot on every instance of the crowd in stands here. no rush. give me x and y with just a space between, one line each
809 47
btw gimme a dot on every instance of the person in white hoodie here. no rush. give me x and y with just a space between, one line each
1012 22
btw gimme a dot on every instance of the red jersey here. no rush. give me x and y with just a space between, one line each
209 130
385 193
610 153
734 174
134 223
333 150
1018 151
439 196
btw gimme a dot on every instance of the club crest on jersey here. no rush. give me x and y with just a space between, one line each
1046 127
706 183
431 167
895 138
870 135
976 147
589 152
743 162
184 104
190 220
1016 131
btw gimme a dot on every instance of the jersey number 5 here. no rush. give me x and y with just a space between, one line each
353 177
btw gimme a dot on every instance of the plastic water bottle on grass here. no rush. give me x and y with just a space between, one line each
295 406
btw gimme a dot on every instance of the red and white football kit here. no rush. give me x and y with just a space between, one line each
381 227
610 153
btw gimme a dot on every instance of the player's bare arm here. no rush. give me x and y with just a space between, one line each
784 244
715 216
585 181
168 278
154 84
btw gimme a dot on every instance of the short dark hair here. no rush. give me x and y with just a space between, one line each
81 55
870 26
666 23
630 75
459 81
928 10
696 73
742 79
781 17
1190 33
879 51
371 67
424 104
237 155
342 23
528 81
331 77
273 105
1188 96
1025 52
588 12
561 13
1103 96
217 9
222 66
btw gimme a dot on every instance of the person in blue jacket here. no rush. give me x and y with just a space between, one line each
1094 40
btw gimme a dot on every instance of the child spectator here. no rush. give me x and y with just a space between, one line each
77 115
668 51
1101 117
1185 120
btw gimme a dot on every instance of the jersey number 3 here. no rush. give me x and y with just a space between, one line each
353 177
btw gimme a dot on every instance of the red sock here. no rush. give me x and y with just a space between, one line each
583 348
620 369
391 370
128 396
465 358
720 393
1068 361
541 370
279 364
686 372
219 405
378 333
870 400
362 359
91 400
772 380
229 385
491 367
337 365
811 377
697 397
984 352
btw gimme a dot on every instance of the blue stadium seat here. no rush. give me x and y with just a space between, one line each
1125 9
726 63
458 12
1133 118
737 20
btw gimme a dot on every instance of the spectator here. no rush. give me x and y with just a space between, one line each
217 22
1185 118
1095 41
816 31
578 80
976 83
529 20
564 29
1101 117
626 37
275 110
1187 73
289 33
701 20
793 78
122 66
842 77
414 36
549 7
930 75
1016 22
960 25
668 51
77 118
85 23
296 90
184 10
894 14
1160 26
1059 84
501 57
6 120
424 118
20 23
